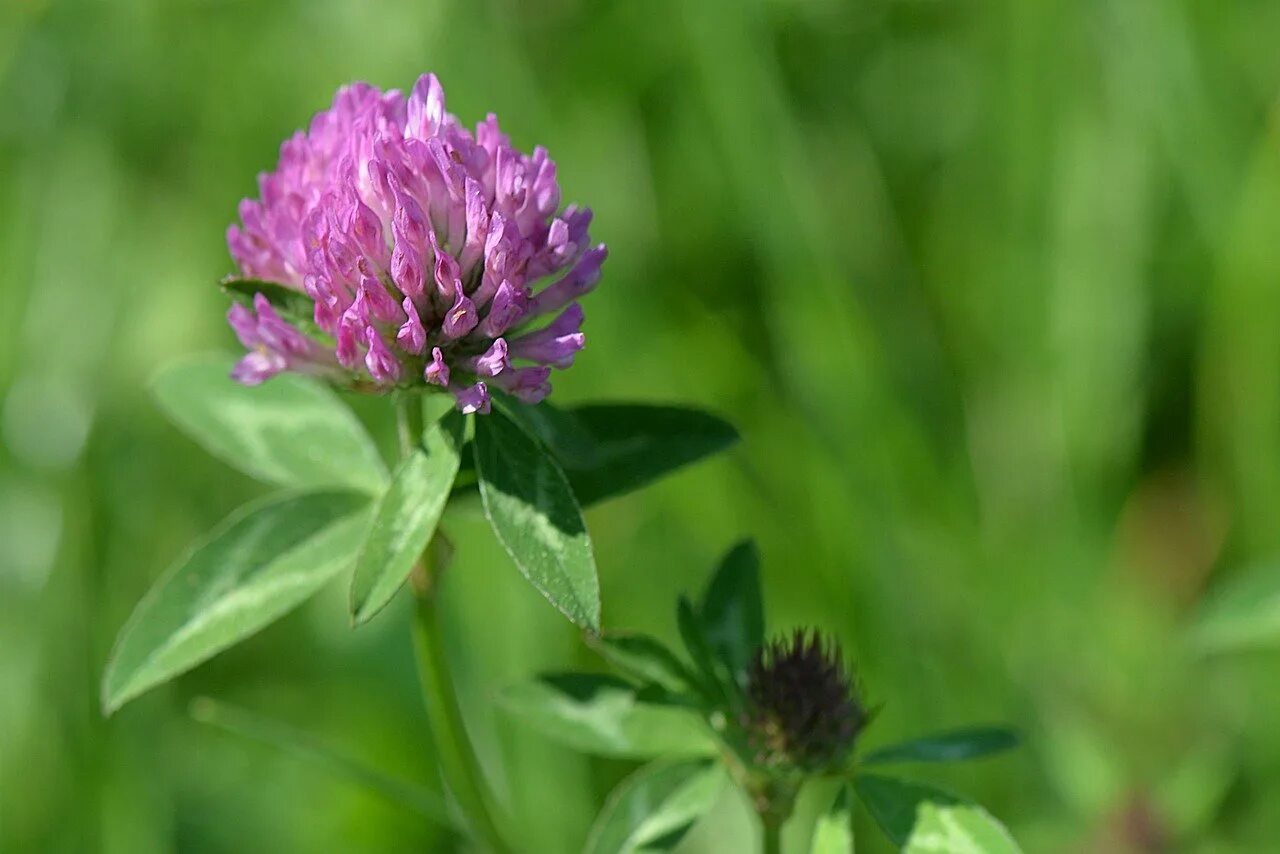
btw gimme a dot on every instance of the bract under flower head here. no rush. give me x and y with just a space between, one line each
432 255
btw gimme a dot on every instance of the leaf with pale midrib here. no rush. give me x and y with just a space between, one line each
605 716
921 818
964 828
260 563
532 509
406 517
290 431
833 832
653 808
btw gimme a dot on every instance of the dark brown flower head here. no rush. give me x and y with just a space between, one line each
803 711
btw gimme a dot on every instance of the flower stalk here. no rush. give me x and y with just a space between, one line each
455 756
772 797
772 835
457 760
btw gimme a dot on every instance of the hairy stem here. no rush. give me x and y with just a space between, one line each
454 754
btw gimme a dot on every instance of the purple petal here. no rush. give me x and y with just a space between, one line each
461 317
244 324
412 336
380 361
278 335
556 344
326 317
477 227
426 107
578 281
492 362
509 189
343 255
320 290
408 223
505 256
558 352
406 269
437 372
529 385
569 320
381 304
508 307
544 195
366 230
257 367
350 331
448 275
472 399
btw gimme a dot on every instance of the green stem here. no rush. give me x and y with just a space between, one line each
409 421
774 800
772 834
457 759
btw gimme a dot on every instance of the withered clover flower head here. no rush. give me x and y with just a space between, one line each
803 710
424 248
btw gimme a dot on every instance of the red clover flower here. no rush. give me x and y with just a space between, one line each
423 248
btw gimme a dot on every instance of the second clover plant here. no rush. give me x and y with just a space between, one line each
769 716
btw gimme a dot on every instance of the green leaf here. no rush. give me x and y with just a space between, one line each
611 449
895 804
558 429
1192 794
299 744
290 430
406 517
953 746
699 649
654 807
732 611
647 659
920 818
833 832
1242 613
260 563
605 716
942 829
533 511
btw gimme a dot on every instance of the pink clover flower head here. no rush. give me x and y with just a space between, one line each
431 254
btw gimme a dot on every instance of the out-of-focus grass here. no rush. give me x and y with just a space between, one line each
991 289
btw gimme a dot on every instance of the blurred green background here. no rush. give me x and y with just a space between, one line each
992 290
